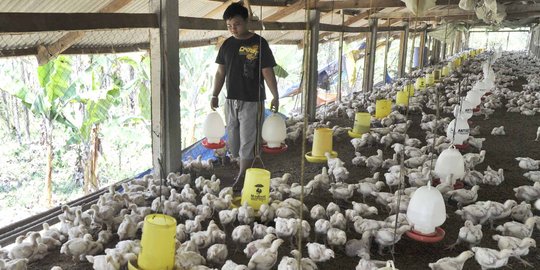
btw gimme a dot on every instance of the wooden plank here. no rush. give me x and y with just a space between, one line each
266 3
165 98
329 5
44 22
46 53
218 10
284 12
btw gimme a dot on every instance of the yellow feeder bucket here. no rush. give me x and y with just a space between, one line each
420 83
256 191
444 72
409 88
362 123
402 98
322 143
437 75
383 107
430 80
157 243
457 62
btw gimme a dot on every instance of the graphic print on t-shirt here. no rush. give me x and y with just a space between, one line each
250 62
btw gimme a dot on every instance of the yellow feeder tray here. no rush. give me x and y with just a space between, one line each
319 159
157 243
236 202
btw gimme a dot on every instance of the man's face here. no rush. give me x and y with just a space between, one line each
237 26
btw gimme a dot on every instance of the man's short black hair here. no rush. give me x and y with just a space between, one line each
235 9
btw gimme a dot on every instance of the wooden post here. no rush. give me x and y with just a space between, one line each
340 59
314 17
165 100
386 49
403 50
443 47
422 48
369 69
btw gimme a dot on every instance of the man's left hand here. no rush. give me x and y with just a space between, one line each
274 105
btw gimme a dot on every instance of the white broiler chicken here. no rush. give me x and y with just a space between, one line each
528 163
366 188
489 258
342 191
338 220
386 237
317 212
230 265
528 193
473 159
520 247
78 248
17 264
476 142
498 131
24 250
319 253
374 162
492 177
358 159
464 196
470 234
253 246
217 254
476 213
452 263
265 259
521 212
517 229
533 176
246 214
364 210
336 237
242 235
498 210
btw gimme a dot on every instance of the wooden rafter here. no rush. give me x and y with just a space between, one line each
284 12
46 53
218 10
328 5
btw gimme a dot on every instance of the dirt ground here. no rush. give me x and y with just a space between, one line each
409 254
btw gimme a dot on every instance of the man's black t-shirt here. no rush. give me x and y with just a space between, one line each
241 60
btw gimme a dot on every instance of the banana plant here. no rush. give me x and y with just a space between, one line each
100 92
49 103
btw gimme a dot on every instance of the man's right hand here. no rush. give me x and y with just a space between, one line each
214 103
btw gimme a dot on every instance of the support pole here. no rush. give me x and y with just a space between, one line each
369 70
403 50
443 53
340 59
466 45
386 49
422 49
165 100
314 18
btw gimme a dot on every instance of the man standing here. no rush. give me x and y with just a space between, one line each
242 59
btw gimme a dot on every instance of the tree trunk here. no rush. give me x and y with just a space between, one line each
48 183
91 179
27 124
16 119
5 111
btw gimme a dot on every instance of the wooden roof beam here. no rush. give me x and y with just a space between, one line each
284 12
46 53
329 5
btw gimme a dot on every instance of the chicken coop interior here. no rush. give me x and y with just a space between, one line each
407 136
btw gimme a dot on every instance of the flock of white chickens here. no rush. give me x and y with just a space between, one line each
210 231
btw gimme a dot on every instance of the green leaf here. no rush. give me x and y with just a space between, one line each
144 101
